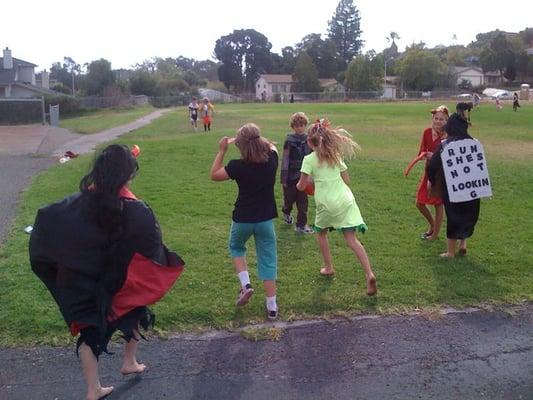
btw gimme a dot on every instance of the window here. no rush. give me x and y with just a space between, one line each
275 88
283 88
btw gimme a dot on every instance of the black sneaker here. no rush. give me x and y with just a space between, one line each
287 218
272 315
244 295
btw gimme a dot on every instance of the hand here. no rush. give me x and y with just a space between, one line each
429 185
223 144
429 154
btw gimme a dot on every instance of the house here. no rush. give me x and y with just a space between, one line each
17 78
472 74
476 76
269 85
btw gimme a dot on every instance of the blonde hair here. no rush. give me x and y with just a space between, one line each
298 119
331 145
252 146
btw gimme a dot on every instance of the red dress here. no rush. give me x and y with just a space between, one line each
427 144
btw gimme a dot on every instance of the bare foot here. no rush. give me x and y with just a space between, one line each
135 368
371 286
327 271
447 255
432 237
100 393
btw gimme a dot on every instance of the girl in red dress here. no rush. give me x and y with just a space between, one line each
431 139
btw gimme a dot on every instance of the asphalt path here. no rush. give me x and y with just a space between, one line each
472 355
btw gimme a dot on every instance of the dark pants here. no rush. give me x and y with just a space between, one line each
292 195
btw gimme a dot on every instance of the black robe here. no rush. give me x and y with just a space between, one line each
102 282
461 217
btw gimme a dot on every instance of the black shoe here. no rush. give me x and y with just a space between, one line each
272 315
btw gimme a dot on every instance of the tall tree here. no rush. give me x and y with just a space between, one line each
99 76
345 30
305 74
244 54
322 52
363 74
420 69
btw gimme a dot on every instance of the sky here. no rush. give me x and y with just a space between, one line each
128 32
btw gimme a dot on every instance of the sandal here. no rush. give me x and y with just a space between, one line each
324 271
462 252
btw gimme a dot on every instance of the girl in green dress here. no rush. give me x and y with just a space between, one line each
336 208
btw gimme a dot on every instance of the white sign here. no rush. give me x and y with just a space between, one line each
465 170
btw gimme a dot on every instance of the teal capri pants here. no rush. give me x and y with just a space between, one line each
265 245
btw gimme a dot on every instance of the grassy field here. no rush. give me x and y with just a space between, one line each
96 121
195 217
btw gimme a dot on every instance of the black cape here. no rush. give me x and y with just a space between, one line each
98 281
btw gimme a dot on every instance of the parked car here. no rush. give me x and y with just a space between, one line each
502 96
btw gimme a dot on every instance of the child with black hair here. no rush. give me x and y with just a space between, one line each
95 251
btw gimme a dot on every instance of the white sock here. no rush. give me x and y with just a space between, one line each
271 303
244 278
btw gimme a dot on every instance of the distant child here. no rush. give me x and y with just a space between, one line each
516 104
207 113
193 113
294 151
498 104
477 99
336 208
255 209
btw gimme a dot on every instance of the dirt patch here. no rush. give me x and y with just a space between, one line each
509 150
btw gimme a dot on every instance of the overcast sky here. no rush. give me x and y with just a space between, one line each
127 32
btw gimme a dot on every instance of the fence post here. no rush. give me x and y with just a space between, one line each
43 110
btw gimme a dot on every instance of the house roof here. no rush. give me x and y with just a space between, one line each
285 78
277 78
34 88
327 82
17 62
459 70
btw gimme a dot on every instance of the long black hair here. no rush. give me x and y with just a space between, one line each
111 170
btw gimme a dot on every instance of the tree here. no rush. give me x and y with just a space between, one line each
420 69
143 82
305 74
362 74
344 30
99 76
288 55
244 54
323 53
499 55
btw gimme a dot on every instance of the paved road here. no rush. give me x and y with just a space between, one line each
15 174
477 355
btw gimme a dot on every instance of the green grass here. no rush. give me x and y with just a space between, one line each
99 120
195 216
